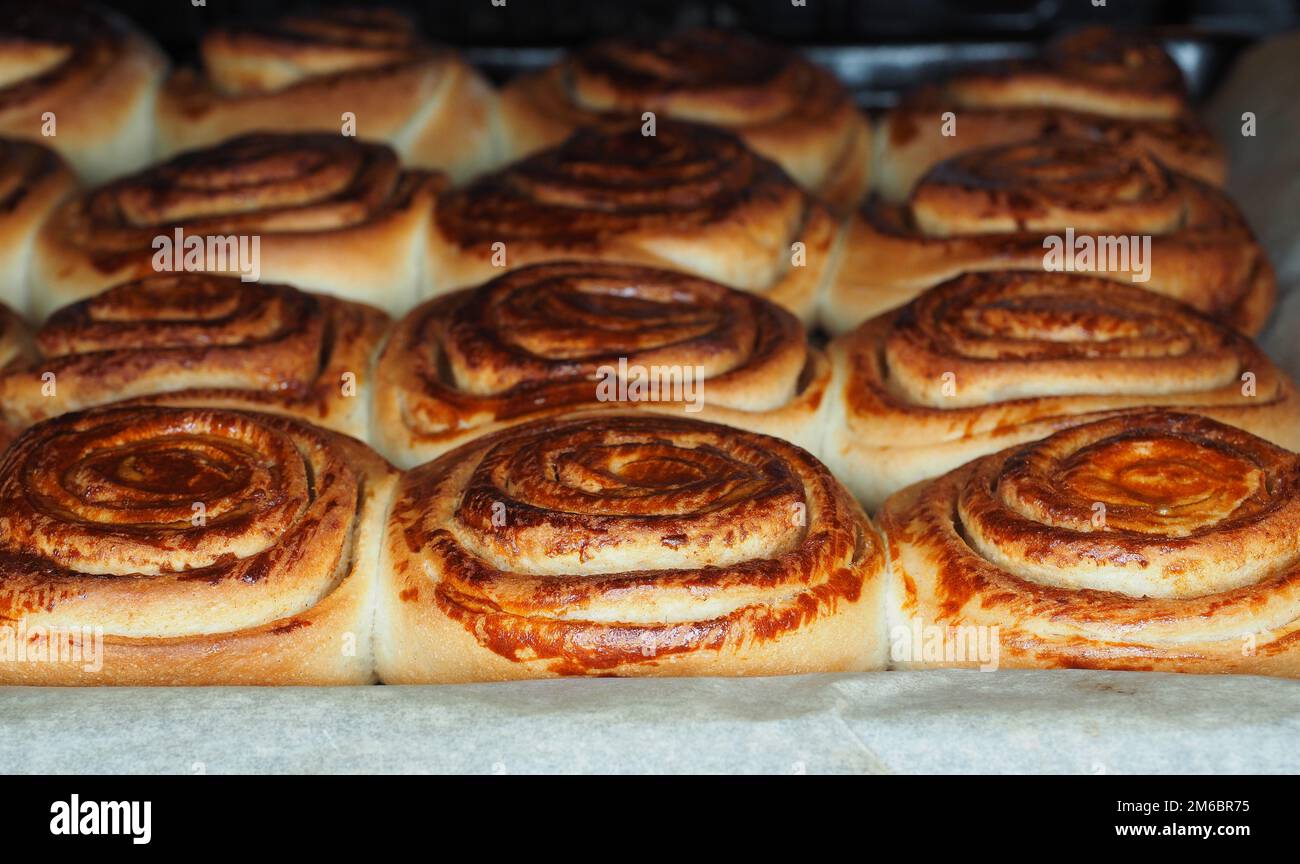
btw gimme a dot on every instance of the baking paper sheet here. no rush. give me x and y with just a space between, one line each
1073 722
1076 722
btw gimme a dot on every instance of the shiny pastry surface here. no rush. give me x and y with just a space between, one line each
635 544
1145 541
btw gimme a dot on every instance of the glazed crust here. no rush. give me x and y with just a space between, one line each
1098 84
993 209
785 108
94 71
533 343
688 198
270 582
301 73
199 339
332 214
1160 541
987 360
635 544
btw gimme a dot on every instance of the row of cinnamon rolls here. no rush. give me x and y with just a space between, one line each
342 216
166 545
978 362
755 158
116 103
1000 427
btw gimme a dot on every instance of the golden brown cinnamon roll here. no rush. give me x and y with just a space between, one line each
33 180
789 110
688 198
1113 88
607 544
987 360
322 212
188 546
198 339
83 80
1157 541
552 338
304 72
1066 205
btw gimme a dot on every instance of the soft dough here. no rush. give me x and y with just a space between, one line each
1153 541
607 544
551 338
191 546
987 360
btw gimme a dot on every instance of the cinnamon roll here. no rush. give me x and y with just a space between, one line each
33 180
16 350
1113 88
83 80
987 360
159 545
785 108
688 198
1064 204
1158 541
322 212
633 544
552 338
309 72
198 339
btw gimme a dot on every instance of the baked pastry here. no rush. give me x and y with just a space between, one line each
1161 541
199 339
552 338
303 72
33 180
991 359
1063 204
83 80
16 350
321 212
688 198
789 110
1111 87
190 546
632 544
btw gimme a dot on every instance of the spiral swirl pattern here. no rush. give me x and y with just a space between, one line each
92 70
630 545
989 359
102 522
688 198
200 339
1117 89
784 107
541 340
329 213
302 72
1059 204
1151 541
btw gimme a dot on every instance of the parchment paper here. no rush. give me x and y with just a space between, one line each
1008 721
943 721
